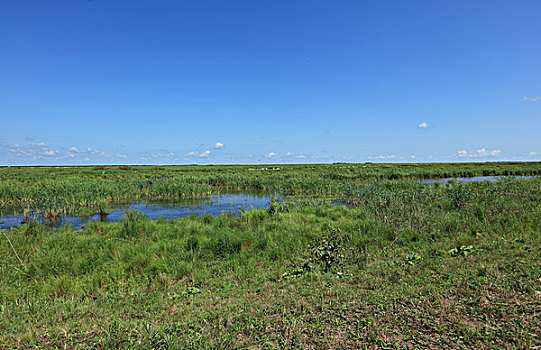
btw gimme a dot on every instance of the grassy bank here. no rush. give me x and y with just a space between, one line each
406 266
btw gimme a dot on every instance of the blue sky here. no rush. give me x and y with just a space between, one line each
269 81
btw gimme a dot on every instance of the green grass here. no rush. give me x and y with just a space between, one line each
405 266
59 190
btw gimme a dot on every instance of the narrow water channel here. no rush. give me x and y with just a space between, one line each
473 179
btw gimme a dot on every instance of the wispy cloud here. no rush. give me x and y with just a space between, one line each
423 125
295 155
532 99
270 155
161 154
33 151
383 156
218 145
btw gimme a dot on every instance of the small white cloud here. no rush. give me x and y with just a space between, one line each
270 155
201 155
39 144
480 153
412 156
73 149
532 99
532 154
423 125
290 154
301 156
218 145
462 153
483 152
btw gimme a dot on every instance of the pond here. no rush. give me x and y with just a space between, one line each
153 209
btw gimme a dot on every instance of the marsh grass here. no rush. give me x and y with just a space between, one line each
406 266
57 191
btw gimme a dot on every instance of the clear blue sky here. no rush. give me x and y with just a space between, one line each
269 81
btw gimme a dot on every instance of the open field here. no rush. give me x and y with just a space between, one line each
403 266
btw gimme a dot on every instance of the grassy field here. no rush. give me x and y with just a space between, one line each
403 266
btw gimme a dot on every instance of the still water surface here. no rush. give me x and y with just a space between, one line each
154 210
473 179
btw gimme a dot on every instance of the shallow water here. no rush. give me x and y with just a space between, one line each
473 179
153 209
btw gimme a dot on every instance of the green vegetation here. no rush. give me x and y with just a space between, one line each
61 190
403 266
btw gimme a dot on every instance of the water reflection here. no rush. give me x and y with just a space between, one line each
473 179
153 209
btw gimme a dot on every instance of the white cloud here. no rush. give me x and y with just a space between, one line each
532 154
73 149
301 156
480 153
532 99
483 152
201 155
39 144
218 145
270 155
423 125
412 156
48 153
290 154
